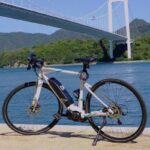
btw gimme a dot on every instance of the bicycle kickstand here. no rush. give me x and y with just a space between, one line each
98 136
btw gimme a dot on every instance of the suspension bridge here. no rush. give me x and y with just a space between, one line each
89 24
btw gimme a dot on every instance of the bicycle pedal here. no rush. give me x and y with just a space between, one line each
57 116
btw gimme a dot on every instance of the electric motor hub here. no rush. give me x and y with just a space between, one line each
75 116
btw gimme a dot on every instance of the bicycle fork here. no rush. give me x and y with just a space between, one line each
37 92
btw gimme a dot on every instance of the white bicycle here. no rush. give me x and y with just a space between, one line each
113 107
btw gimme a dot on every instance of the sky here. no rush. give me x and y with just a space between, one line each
72 8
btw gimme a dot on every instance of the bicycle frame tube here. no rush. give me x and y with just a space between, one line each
42 77
80 100
46 70
37 90
88 86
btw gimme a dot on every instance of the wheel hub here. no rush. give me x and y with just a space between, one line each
34 109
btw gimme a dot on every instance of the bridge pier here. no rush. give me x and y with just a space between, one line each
111 49
110 26
127 28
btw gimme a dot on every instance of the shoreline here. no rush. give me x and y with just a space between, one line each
132 61
78 64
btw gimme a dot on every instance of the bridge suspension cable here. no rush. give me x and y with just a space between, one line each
95 11
95 18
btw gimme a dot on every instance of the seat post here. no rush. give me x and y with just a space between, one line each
84 73
86 66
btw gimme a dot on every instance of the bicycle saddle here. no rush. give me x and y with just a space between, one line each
86 60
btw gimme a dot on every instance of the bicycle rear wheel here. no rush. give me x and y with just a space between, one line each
129 118
18 114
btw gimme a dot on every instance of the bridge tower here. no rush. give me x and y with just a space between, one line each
110 25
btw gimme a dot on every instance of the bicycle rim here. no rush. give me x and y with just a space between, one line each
17 110
126 101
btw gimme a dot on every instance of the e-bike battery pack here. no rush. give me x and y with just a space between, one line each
61 92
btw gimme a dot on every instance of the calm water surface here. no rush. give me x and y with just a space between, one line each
137 74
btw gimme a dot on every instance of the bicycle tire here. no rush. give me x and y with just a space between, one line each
131 129
19 120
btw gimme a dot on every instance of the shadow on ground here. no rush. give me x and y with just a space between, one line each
55 134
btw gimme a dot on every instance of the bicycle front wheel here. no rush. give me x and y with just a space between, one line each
129 118
18 113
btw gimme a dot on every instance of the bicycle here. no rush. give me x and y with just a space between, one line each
114 109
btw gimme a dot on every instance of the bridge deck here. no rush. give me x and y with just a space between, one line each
24 14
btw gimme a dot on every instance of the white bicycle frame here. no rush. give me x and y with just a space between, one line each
42 77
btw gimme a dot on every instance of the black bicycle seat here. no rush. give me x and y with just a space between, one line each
86 60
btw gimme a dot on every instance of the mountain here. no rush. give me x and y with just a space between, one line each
141 27
18 40
69 35
138 28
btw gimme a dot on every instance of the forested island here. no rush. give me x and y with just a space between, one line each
63 46
65 51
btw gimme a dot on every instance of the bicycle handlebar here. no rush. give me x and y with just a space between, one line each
35 62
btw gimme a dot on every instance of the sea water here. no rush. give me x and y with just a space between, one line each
137 74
